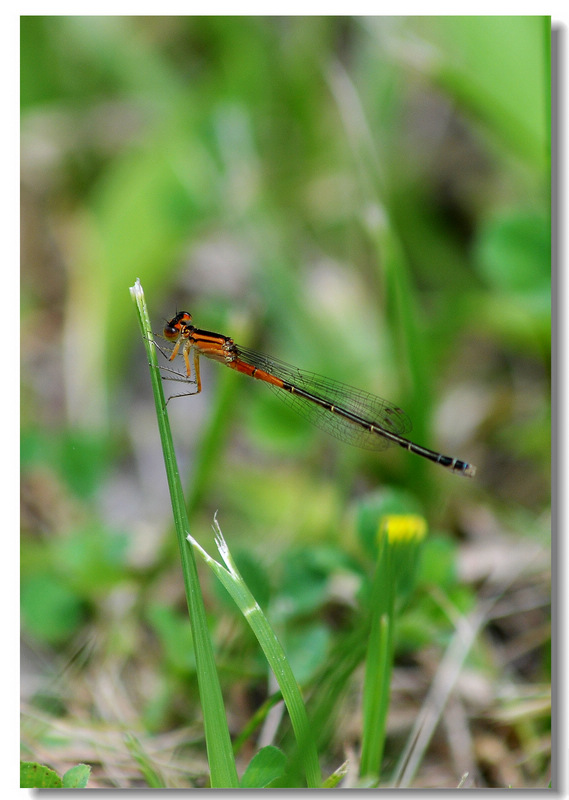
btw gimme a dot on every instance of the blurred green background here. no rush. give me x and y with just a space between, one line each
368 198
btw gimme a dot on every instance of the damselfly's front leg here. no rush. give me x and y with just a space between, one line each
179 376
187 378
166 353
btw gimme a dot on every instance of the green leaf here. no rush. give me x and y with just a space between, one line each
83 461
175 633
306 577
513 253
438 562
266 766
77 777
37 776
51 611
306 650
93 559
498 67
80 457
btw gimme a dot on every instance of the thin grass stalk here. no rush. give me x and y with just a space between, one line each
223 772
379 664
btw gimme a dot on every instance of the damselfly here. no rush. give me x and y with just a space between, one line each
349 414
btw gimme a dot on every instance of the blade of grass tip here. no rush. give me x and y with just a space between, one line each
232 580
218 742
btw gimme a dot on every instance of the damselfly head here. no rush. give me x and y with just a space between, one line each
176 325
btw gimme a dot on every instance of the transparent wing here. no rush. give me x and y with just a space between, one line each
364 405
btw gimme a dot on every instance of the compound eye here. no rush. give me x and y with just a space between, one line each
171 331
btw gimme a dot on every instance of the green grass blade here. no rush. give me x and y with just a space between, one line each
235 585
218 742
378 664
151 775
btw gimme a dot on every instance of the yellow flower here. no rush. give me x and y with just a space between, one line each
403 528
